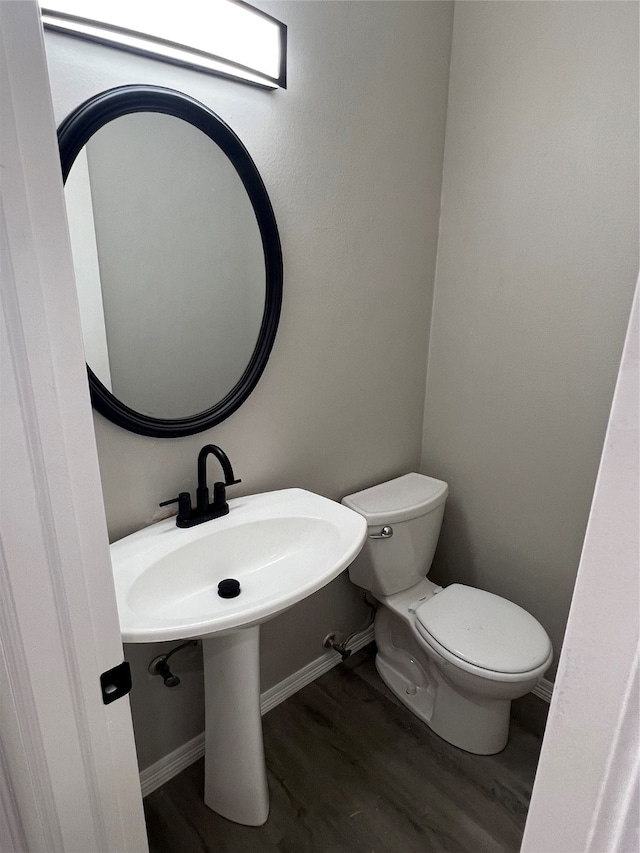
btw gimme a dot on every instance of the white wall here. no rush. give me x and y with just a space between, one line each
351 155
537 260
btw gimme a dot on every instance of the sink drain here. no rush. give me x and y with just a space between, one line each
229 588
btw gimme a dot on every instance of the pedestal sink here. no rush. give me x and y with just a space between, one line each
281 546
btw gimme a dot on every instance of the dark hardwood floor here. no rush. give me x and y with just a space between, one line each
352 771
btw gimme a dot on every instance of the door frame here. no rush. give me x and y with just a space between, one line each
68 772
586 792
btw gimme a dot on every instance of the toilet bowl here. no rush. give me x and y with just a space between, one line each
455 656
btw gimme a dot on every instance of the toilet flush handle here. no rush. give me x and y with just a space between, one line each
385 533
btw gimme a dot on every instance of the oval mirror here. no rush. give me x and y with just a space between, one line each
177 259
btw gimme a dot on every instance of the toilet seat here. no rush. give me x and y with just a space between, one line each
483 633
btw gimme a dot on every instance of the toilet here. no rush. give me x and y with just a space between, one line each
455 656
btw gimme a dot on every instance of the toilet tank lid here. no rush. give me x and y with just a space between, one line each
396 500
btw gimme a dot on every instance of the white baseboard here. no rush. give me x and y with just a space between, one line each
173 763
277 694
544 689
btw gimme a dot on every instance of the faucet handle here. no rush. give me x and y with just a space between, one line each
220 505
184 504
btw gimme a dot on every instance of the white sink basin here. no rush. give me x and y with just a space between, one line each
281 547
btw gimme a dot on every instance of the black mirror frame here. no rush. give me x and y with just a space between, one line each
74 132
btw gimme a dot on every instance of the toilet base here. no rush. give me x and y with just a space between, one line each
478 727
477 724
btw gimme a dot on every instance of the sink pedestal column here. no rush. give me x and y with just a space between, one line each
235 775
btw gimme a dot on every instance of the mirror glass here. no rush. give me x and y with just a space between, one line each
169 264
177 259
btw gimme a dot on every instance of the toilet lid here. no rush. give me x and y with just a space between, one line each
484 629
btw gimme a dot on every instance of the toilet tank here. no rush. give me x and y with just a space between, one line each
412 506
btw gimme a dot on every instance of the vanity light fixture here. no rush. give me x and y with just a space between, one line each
224 37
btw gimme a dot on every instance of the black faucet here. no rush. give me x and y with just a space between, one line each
205 510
